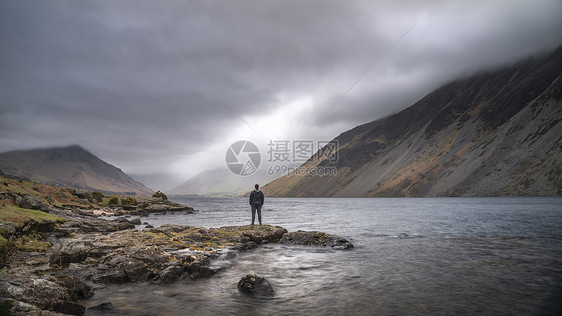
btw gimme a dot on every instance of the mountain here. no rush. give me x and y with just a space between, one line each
70 166
219 182
495 133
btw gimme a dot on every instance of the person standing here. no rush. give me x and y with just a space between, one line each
256 202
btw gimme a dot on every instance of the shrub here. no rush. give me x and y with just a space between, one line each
160 195
129 201
97 196
114 200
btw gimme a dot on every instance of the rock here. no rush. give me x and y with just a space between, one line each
314 238
67 307
104 275
258 233
69 250
106 306
76 288
121 269
31 202
42 227
170 274
245 246
135 221
18 308
200 269
163 206
255 285
29 288
87 224
7 229
149 226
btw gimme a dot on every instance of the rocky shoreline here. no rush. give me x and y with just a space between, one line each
84 251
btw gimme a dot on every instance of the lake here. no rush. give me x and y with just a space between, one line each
412 256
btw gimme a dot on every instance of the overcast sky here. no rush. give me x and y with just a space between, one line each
166 87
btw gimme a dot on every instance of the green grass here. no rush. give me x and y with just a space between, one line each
32 243
20 216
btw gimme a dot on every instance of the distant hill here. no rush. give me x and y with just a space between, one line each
493 134
70 166
219 182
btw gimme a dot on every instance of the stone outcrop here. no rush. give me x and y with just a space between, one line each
79 246
255 285
314 238
42 293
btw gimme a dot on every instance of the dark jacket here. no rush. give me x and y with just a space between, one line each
256 198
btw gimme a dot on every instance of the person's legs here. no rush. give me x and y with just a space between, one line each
254 214
259 213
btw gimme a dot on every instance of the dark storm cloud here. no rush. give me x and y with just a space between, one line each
146 83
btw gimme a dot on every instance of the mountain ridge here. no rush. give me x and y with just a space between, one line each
71 166
474 136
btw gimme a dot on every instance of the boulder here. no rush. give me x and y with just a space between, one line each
200 269
171 273
31 202
67 307
75 287
255 285
314 238
7 228
257 233
245 246
43 294
121 269
135 221
17 308
86 224
69 250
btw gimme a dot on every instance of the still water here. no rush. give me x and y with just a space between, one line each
412 256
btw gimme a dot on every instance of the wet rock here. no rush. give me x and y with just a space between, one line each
103 274
255 285
121 269
257 233
245 246
69 250
149 226
67 307
43 294
200 269
17 308
76 288
106 306
135 221
314 238
170 274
